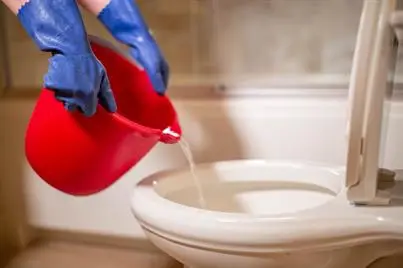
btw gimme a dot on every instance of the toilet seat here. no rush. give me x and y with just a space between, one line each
369 89
332 224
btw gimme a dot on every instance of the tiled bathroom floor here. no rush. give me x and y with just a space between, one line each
69 255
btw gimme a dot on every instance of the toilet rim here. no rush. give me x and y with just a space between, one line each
217 229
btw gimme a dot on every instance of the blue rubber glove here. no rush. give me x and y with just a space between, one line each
74 73
124 21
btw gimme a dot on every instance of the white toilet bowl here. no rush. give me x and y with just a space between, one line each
265 214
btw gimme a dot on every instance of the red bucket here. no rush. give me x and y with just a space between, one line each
81 155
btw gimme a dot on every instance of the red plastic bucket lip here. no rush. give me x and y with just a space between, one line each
124 120
104 43
135 126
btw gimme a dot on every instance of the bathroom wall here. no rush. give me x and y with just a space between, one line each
302 126
14 229
10 242
256 43
308 129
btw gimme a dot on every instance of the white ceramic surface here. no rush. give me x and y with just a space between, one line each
265 214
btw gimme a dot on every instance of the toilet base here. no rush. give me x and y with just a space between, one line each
360 256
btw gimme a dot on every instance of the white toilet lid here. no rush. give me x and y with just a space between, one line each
370 85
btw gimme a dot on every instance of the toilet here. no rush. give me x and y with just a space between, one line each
279 214
265 214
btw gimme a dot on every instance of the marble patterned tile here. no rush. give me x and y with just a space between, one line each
286 37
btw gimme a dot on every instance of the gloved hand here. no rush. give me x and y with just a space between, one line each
74 73
124 21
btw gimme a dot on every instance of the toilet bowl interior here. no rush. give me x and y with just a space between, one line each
252 187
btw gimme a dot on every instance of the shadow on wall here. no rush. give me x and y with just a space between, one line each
14 230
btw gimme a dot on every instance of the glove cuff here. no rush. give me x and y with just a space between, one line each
124 21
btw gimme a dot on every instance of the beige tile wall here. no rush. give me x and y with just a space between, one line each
287 37
10 220
177 24
231 38
2 51
15 233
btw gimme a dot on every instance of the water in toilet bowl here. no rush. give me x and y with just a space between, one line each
189 156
